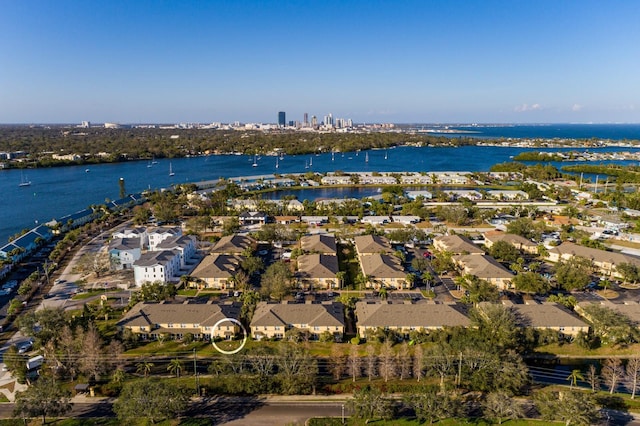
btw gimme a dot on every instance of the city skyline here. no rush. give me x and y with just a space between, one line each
374 62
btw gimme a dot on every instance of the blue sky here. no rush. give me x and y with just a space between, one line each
373 61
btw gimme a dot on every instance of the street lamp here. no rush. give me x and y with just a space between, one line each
342 413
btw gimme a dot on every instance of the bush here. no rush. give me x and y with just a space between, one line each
355 340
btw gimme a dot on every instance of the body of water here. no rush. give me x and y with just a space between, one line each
55 192
547 131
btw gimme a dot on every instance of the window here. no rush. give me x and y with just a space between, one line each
170 325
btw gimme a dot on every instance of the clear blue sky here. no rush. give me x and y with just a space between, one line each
373 61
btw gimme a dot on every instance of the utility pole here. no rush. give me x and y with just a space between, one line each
195 370
459 378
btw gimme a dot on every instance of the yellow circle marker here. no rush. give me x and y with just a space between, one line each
244 340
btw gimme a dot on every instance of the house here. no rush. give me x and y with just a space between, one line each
76 219
234 244
217 271
547 316
418 179
315 220
370 244
456 244
604 261
184 244
469 194
406 220
318 271
253 218
153 320
376 220
139 232
163 266
318 243
250 205
407 317
26 243
415 194
629 309
127 202
336 180
383 270
519 242
293 205
286 220
366 179
484 267
159 234
500 194
273 320
124 252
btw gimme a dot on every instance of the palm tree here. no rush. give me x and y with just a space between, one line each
144 368
574 377
175 366
341 275
383 293
118 375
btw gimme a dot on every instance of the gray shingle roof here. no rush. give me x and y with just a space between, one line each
319 243
372 244
205 314
217 266
457 244
153 258
318 265
404 315
382 266
233 244
312 314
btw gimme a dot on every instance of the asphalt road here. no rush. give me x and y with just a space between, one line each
237 411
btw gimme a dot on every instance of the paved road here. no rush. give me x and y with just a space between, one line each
240 411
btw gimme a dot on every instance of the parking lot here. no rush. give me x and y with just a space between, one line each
395 296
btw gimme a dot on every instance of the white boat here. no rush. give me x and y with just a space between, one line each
385 155
255 161
277 163
366 157
24 181
171 170
311 162
332 156
87 170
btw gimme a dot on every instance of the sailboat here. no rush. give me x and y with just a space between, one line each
332 155
255 161
171 170
366 157
385 155
306 164
153 160
24 181
277 163
311 162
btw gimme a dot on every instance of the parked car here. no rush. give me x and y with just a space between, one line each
25 347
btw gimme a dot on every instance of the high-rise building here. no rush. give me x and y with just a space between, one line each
282 119
314 121
306 119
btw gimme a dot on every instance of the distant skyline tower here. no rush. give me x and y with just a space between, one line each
306 119
282 119
314 121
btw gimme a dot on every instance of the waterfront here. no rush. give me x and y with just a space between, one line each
55 192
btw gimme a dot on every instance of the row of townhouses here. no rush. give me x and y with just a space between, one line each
273 320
